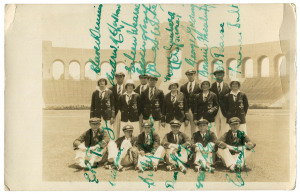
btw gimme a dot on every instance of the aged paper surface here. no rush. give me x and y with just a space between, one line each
52 54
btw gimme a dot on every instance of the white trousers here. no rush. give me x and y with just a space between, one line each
204 155
120 156
229 159
82 154
136 130
151 160
117 125
177 159
191 128
221 125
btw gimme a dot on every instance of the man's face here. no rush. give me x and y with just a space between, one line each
173 87
219 76
128 134
205 86
101 83
129 88
191 77
234 127
175 129
152 82
95 126
143 80
203 127
235 86
120 79
147 129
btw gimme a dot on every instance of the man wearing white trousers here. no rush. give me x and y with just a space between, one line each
177 146
203 145
234 146
150 150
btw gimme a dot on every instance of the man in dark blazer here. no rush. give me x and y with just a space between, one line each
118 89
152 103
236 104
139 89
190 89
174 107
91 147
220 88
129 106
103 104
234 146
203 145
177 146
150 150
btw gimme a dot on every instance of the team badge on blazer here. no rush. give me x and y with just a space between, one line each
108 104
156 104
241 102
134 106
180 105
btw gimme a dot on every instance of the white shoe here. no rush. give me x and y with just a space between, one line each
82 164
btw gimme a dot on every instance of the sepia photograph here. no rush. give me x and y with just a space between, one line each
154 96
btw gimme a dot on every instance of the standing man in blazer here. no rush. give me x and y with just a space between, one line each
190 89
129 106
103 104
174 107
220 88
118 89
142 87
236 104
152 103
206 105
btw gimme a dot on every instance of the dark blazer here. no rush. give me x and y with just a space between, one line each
169 138
201 108
90 140
120 140
220 96
190 97
114 89
153 106
130 111
177 111
238 108
138 89
229 139
104 107
208 137
152 147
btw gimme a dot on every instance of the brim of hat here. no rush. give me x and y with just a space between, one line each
187 73
176 125
202 123
235 123
173 84
127 130
219 71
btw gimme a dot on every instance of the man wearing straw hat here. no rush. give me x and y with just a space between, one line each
129 106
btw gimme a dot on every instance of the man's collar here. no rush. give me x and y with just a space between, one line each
192 82
231 92
131 93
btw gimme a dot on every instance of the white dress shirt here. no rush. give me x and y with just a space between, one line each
193 85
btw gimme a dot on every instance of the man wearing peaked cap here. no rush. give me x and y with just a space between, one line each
203 145
176 144
174 107
234 146
125 146
148 144
206 105
190 89
130 108
220 88
103 104
94 140
118 89
236 104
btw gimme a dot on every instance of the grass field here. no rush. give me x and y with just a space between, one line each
267 128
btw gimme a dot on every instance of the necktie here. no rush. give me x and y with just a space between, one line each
219 88
190 88
204 98
119 90
148 140
142 88
100 95
129 98
173 99
234 97
151 93
176 139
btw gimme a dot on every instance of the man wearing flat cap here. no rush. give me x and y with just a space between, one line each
118 89
91 147
150 150
174 107
190 89
234 146
177 146
124 149
203 145
152 103
220 88
129 106
103 104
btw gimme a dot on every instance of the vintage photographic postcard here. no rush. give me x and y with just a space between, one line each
150 97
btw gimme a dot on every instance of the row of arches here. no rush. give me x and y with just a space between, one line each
247 69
